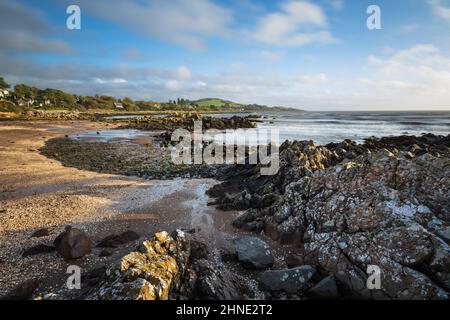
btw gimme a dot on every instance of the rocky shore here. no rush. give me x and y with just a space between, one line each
186 121
309 232
347 206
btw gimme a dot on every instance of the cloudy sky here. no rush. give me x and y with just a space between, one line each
315 55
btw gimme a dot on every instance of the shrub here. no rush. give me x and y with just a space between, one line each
7 106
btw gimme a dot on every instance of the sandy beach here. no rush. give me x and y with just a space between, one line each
38 192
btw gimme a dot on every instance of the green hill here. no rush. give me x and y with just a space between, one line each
215 103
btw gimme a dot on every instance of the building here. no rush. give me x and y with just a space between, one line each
118 106
4 93
25 102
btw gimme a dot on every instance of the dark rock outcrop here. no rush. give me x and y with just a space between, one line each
348 206
38 249
40 233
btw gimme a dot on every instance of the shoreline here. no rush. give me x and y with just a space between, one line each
48 185
38 192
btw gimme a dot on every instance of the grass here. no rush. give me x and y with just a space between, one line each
216 103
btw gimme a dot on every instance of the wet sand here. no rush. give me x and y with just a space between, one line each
38 192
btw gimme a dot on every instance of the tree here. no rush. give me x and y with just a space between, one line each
3 84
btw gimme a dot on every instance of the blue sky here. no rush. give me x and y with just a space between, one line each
315 55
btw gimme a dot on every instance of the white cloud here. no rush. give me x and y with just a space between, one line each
182 22
297 23
415 77
313 79
182 74
440 9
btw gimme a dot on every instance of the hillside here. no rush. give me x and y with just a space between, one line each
215 102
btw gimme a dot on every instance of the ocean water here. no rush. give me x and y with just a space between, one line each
322 127
326 127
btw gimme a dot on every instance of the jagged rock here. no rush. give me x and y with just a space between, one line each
444 233
40 233
165 267
23 291
186 121
114 241
348 206
147 274
38 249
214 284
253 253
250 221
326 289
199 250
73 243
290 281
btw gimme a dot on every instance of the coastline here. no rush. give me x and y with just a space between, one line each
38 192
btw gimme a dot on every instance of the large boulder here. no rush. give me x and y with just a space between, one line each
290 281
253 253
73 243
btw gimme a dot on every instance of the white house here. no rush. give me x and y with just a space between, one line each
118 105
4 93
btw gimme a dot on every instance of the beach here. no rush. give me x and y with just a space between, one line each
38 192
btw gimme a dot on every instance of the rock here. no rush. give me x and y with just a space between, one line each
348 206
38 249
228 255
216 284
40 233
294 260
176 266
199 250
23 291
114 241
290 281
105 253
444 233
253 253
73 243
326 289
147 274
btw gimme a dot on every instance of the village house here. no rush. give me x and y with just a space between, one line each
118 105
4 93
21 102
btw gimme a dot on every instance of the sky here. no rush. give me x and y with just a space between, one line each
312 55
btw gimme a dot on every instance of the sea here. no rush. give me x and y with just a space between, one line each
326 127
